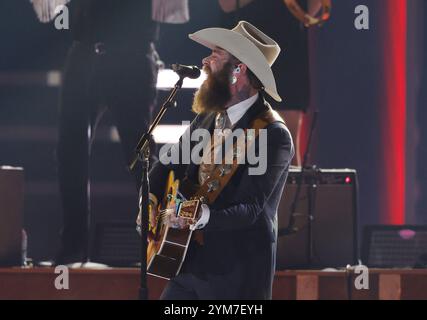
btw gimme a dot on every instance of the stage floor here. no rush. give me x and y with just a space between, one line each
123 284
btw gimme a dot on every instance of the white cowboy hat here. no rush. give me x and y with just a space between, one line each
248 44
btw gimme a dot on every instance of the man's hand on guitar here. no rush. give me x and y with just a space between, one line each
192 215
193 220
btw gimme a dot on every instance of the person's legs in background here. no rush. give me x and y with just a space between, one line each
73 155
132 100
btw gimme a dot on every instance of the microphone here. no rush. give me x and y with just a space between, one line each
191 72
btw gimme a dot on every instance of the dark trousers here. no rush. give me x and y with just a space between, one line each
122 81
187 286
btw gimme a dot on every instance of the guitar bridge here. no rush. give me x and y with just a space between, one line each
189 209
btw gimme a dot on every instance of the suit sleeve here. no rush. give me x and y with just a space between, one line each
255 190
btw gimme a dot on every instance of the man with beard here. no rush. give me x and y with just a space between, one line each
236 259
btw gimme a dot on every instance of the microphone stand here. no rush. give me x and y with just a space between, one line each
142 154
292 227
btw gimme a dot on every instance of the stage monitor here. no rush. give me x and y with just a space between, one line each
391 246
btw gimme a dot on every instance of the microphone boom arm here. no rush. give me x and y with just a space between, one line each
144 141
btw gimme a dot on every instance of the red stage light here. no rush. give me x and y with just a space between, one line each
394 113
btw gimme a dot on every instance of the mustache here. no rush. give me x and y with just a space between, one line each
207 70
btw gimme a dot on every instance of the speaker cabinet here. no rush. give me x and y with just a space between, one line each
11 205
329 239
117 244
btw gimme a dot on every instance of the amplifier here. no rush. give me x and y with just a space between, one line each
329 238
11 206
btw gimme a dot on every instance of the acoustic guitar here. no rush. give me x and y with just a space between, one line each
167 245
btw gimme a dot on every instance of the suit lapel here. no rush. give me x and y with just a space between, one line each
208 123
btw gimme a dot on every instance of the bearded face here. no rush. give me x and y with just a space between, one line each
214 93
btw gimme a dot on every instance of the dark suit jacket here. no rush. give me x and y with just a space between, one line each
239 252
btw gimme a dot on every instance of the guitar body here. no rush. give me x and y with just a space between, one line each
167 246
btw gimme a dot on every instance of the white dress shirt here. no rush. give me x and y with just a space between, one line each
238 110
235 113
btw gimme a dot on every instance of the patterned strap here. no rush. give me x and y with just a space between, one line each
220 177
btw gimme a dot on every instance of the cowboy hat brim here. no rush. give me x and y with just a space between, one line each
244 50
